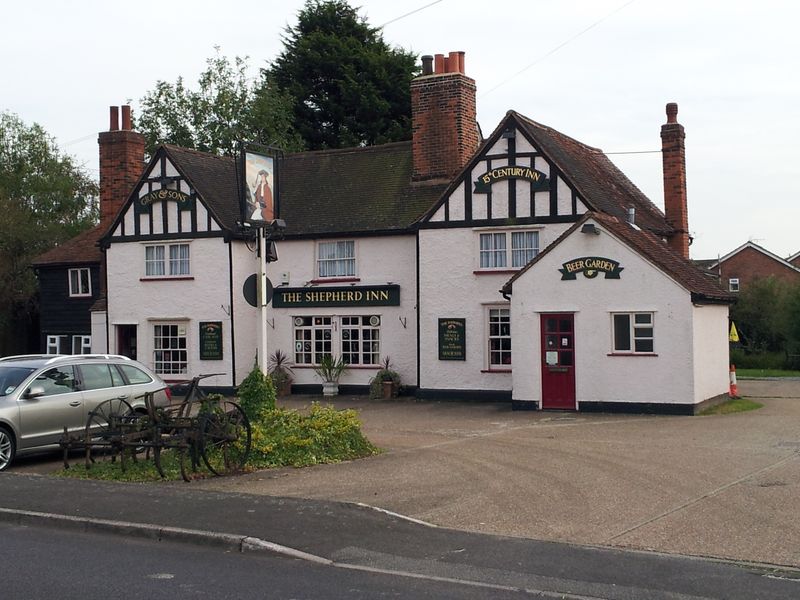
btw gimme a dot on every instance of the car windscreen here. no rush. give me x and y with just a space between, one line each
11 377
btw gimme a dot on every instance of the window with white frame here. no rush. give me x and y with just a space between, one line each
336 259
170 355
166 260
494 249
80 283
81 344
633 332
499 337
57 344
733 284
355 339
361 340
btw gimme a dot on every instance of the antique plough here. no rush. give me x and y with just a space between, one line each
203 428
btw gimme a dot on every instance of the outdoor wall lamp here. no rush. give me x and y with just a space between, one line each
590 228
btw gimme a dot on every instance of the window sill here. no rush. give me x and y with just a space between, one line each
335 280
179 278
631 354
495 370
495 271
80 295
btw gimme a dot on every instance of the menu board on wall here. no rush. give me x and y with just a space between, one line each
452 339
211 340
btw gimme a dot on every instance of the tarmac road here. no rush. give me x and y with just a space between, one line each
719 486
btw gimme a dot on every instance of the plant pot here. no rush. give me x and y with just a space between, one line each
330 388
387 389
285 388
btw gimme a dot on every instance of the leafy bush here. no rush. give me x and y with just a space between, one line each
256 394
289 438
385 373
758 360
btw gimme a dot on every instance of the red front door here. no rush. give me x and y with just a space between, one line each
558 361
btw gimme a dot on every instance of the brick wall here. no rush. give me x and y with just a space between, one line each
673 153
121 163
444 127
749 264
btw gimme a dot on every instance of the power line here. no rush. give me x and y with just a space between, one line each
408 14
557 48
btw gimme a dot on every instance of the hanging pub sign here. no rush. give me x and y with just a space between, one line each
183 200
365 295
452 339
538 179
590 266
211 340
259 185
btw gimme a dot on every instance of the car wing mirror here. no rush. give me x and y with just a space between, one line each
35 391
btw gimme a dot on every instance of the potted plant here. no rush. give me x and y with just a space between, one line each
386 383
281 372
330 370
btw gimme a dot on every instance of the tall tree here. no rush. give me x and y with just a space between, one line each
45 198
348 86
225 108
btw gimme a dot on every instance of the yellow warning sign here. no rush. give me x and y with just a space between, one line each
733 336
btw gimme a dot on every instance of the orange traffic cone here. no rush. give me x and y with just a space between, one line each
734 390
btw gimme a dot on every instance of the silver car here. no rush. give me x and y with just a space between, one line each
41 394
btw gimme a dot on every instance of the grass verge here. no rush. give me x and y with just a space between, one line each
766 373
732 406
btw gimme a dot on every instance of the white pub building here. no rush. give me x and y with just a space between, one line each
522 267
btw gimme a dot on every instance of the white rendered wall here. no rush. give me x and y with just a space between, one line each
98 324
666 378
204 297
378 262
711 351
450 288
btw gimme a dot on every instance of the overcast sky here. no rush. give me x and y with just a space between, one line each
600 71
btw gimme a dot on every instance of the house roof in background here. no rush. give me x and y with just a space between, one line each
757 248
79 250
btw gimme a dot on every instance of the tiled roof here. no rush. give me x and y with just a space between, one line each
599 182
353 190
329 192
80 250
214 178
696 281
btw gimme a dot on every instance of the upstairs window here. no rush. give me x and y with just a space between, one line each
337 259
494 249
166 260
80 283
733 284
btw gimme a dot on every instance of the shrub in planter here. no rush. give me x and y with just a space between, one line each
281 372
330 370
386 383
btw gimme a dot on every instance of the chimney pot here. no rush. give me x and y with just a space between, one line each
672 112
114 118
438 62
461 55
427 64
126 118
454 62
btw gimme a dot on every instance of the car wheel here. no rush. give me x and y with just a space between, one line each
8 448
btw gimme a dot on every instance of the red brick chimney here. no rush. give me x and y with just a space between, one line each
121 163
443 125
673 153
